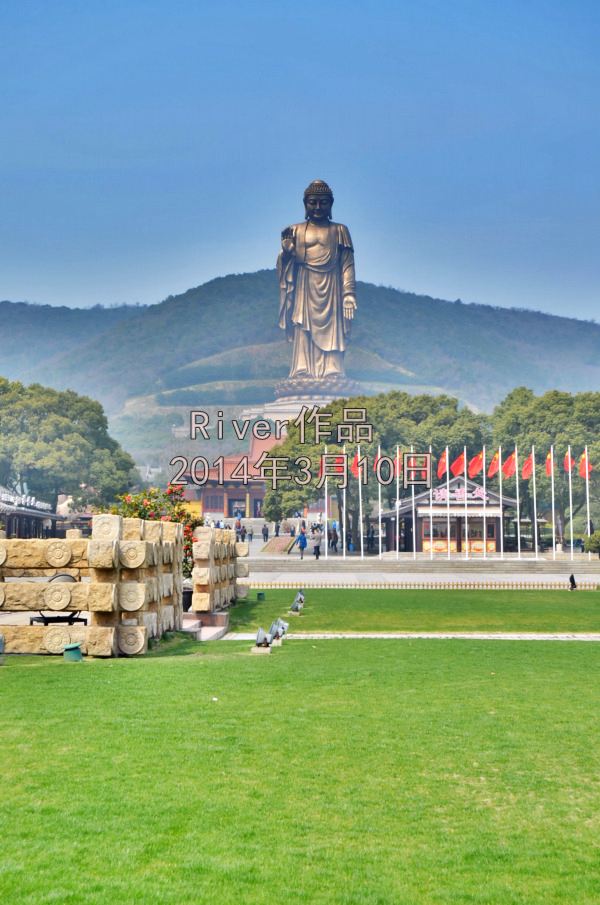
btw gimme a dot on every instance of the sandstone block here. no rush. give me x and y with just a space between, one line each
201 602
103 554
242 570
133 529
153 531
241 549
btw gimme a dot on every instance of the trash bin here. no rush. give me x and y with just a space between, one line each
72 652
260 595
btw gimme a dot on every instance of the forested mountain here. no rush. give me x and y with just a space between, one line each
219 344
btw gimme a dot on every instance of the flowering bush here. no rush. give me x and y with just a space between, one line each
166 506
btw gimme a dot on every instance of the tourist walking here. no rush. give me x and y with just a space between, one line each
265 532
316 542
302 543
334 541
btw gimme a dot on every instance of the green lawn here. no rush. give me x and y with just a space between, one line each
351 772
331 610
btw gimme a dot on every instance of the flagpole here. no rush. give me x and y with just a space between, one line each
344 506
360 507
466 506
571 498
484 506
431 506
518 502
326 514
414 526
379 499
535 530
553 504
448 501
587 496
397 502
501 503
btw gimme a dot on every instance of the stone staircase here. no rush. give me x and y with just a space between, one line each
580 566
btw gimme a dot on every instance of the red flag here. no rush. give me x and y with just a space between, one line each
339 464
376 462
494 465
476 464
458 466
549 465
442 465
568 462
509 467
585 466
398 464
354 466
320 467
527 469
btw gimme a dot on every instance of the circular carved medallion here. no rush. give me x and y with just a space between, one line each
56 639
58 553
57 597
131 596
131 554
131 640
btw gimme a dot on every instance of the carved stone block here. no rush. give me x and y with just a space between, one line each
135 554
107 527
133 595
132 640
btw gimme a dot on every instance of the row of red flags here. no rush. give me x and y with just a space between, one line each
509 466
475 465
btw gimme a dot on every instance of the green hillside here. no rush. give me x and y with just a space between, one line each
219 344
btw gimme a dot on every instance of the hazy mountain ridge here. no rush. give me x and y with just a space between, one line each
223 337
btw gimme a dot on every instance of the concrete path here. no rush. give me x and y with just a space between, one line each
465 636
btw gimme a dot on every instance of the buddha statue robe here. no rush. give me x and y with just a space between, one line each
314 281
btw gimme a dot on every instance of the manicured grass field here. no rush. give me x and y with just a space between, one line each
350 772
331 610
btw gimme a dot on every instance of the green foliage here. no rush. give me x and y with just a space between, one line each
558 419
592 543
55 442
167 505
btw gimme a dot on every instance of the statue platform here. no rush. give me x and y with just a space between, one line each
293 393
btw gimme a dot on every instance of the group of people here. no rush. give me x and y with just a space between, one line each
241 532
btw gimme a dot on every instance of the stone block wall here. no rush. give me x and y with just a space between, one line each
218 575
128 578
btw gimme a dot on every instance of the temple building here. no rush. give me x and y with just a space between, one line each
225 495
475 516
22 515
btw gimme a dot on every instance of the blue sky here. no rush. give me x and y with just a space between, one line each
150 146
